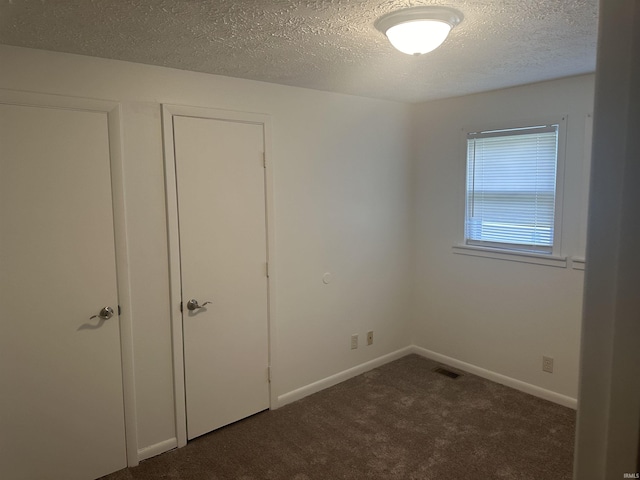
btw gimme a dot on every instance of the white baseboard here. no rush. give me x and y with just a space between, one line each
467 367
315 387
498 378
157 449
340 377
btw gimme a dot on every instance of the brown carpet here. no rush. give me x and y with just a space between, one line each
399 421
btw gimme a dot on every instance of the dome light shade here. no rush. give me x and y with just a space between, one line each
418 30
418 36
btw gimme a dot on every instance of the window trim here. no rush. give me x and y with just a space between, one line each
512 255
578 263
555 256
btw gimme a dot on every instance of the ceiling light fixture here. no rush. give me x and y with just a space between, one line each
418 30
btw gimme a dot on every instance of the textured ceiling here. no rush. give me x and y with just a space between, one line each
323 44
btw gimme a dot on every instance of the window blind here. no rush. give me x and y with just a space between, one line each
511 188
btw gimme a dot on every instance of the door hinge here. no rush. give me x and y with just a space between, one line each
180 306
269 374
266 269
264 160
119 310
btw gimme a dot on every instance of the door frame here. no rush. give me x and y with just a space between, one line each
114 131
173 238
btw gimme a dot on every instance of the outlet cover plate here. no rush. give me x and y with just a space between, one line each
547 364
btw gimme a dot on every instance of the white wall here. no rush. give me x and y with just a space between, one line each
498 315
344 180
342 204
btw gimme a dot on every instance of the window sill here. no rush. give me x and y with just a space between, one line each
577 263
522 257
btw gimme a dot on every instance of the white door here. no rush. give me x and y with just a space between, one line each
61 402
223 251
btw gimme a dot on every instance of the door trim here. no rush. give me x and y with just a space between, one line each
114 114
173 238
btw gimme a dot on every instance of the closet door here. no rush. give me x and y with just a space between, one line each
223 253
61 399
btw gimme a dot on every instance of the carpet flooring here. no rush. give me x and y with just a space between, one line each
399 421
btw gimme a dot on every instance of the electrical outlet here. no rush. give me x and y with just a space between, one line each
354 341
370 337
547 364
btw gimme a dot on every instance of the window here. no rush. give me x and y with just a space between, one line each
512 189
